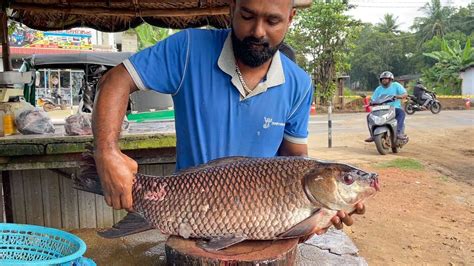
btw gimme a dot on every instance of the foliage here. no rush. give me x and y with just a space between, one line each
322 36
12 27
444 75
388 24
382 47
463 20
149 35
377 51
435 22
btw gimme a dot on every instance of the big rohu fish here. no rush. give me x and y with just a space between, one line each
233 199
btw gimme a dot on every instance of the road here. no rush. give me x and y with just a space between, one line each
356 122
444 142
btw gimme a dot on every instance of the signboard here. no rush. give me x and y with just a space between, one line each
76 39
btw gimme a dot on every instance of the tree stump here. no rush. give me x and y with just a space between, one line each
180 251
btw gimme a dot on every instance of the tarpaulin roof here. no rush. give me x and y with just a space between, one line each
120 15
99 58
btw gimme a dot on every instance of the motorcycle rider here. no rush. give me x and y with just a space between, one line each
421 94
389 87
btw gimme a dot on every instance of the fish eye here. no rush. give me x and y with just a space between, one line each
348 179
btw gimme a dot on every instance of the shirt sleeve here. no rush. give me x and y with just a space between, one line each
401 89
375 94
296 127
161 67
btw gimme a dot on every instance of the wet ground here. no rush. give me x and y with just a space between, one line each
148 248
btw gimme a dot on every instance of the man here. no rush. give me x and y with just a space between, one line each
421 94
389 87
234 94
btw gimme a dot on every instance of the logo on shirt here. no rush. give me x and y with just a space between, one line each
268 121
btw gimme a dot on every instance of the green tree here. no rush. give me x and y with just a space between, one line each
389 24
435 22
463 20
444 75
377 51
322 36
149 35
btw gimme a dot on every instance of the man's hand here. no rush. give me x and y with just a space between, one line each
401 96
343 218
116 171
338 221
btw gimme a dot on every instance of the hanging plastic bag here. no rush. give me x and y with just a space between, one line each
30 122
79 124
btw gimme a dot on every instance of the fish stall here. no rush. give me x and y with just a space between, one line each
37 171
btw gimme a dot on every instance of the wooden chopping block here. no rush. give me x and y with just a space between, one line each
180 251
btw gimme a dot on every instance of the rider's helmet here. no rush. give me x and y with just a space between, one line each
386 75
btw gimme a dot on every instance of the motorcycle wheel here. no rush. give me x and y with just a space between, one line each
48 107
435 108
383 143
409 109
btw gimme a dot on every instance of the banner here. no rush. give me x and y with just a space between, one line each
77 39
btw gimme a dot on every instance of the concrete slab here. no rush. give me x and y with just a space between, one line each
148 248
332 248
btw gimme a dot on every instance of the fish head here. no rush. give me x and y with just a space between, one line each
339 186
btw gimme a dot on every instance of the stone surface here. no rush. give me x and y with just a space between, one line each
332 248
148 248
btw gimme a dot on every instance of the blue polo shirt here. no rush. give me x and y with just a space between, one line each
214 116
395 89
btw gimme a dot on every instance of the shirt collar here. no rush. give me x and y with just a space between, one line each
275 75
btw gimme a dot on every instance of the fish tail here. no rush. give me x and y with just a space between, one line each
88 178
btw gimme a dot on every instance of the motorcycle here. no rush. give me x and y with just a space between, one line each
52 103
383 125
413 104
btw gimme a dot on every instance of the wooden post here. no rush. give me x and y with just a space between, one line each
330 125
5 45
180 251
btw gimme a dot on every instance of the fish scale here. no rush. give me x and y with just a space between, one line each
266 207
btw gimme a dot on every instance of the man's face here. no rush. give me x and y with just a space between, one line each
385 82
258 28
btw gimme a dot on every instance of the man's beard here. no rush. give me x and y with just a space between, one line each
250 55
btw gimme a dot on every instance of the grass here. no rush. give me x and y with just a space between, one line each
443 178
405 163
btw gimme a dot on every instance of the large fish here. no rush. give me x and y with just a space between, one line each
233 199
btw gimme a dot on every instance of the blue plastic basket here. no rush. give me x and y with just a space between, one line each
22 244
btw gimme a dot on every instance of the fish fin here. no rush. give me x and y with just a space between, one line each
215 244
88 178
131 224
212 163
303 228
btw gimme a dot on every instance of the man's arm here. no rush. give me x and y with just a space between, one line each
115 169
401 96
292 149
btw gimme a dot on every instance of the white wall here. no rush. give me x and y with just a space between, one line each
468 81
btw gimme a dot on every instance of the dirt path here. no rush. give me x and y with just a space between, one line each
420 216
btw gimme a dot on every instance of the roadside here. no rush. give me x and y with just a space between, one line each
421 216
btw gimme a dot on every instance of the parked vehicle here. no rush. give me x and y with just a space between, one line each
50 104
413 104
94 65
383 125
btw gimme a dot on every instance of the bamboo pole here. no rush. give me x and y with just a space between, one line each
97 11
5 45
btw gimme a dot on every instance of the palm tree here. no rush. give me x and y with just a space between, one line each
388 24
435 22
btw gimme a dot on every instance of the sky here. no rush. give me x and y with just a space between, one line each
406 10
